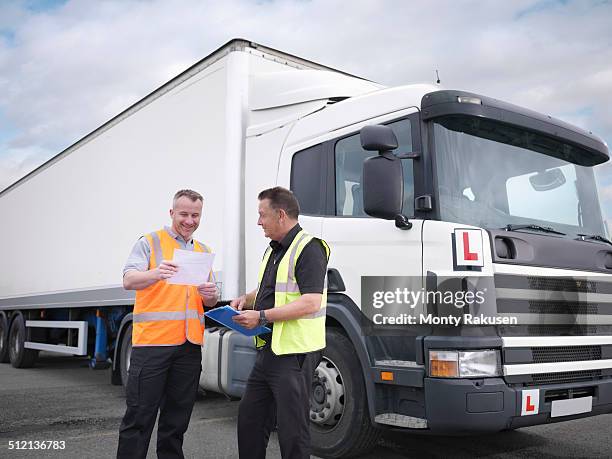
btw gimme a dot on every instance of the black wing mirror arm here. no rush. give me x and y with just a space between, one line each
402 222
413 155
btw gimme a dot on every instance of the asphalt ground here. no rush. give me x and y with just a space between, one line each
62 400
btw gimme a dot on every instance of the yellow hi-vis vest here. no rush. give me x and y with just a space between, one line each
305 334
167 314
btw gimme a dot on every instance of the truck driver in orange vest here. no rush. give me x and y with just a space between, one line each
167 331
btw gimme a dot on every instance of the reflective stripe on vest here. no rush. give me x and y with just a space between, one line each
305 334
167 314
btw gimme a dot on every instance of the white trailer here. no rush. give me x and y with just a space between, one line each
99 195
475 189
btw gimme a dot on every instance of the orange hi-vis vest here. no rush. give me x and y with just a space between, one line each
167 314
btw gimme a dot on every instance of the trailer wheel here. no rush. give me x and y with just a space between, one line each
19 356
4 334
126 354
340 421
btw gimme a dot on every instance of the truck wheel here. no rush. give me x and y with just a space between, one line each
19 356
340 421
4 334
126 354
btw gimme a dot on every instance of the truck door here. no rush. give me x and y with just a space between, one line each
327 179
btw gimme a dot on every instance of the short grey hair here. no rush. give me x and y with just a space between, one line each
193 195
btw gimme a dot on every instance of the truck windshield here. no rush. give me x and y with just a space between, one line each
492 175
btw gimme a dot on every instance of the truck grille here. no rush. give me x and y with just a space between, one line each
565 354
570 330
561 284
541 307
554 330
564 377
524 359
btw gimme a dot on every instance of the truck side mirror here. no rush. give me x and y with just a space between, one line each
383 175
378 138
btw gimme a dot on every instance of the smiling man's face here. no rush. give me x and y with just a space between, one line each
186 216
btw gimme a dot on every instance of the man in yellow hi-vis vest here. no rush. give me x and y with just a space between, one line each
291 299
167 333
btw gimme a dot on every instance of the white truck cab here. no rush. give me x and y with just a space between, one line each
483 192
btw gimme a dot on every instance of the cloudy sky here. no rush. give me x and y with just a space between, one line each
68 66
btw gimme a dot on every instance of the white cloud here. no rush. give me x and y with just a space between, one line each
68 70
606 192
19 162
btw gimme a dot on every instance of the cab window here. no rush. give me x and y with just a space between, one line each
326 178
349 158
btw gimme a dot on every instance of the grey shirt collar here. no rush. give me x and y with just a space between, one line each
176 236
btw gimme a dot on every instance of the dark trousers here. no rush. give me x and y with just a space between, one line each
278 391
164 379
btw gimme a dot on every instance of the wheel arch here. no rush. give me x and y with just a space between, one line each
344 314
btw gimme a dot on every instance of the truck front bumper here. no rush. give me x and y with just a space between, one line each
455 406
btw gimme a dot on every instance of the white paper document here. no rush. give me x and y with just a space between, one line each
193 267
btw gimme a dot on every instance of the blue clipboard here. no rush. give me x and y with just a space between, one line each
224 315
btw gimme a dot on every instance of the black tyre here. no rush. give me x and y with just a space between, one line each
4 334
19 356
340 422
126 354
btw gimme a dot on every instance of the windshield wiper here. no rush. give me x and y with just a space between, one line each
593 237
546 229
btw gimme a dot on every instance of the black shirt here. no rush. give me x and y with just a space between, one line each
310 271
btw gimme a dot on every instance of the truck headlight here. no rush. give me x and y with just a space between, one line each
464 364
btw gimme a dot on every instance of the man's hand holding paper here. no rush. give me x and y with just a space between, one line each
193 268
166 270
